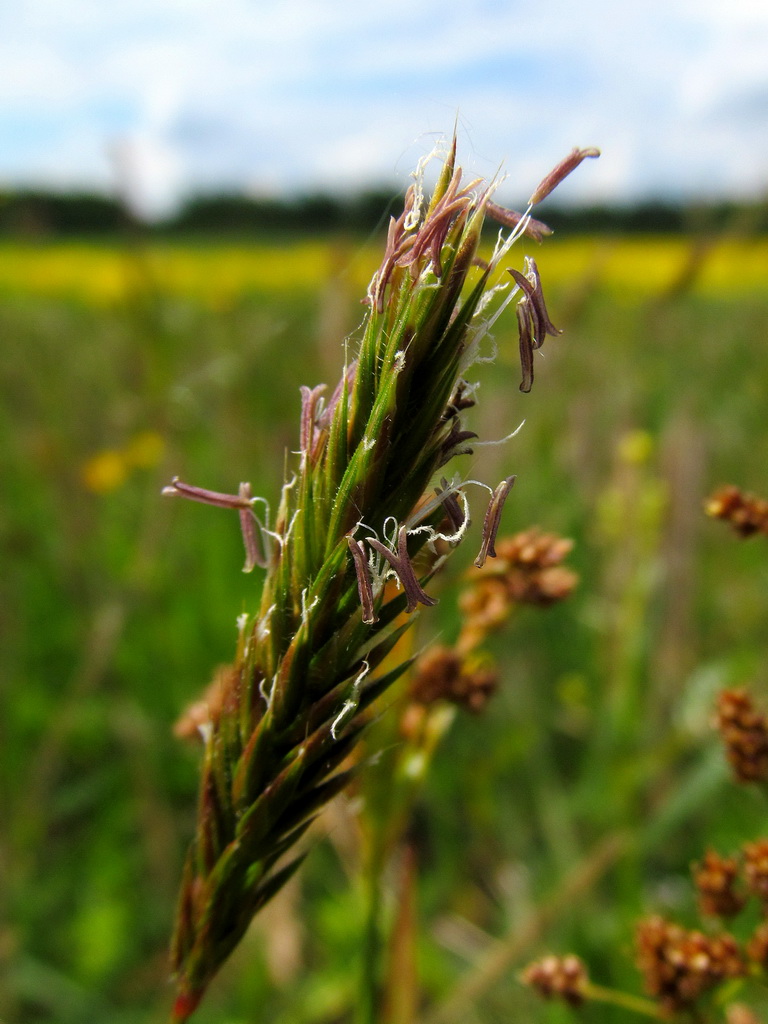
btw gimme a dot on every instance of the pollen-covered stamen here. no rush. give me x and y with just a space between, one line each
310 397
529 308
325 415
452 443
559 173
530 283
537 298
364 583
255 553
533 321
400 238
453 510
525 333
251 528
492 521
401 563
178 489
428 243
535 229
462 398
430 236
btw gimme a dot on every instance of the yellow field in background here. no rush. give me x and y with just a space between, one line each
219 275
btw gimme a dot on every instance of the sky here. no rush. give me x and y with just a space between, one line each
159 99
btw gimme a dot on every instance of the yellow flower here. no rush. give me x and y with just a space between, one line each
144 450
104 472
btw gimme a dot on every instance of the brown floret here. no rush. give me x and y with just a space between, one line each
757 947
526 570
756 868
679 965
558 977
745 513
532 568
745 734
485 607
715 880
443 674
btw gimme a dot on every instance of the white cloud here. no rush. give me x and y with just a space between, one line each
335 92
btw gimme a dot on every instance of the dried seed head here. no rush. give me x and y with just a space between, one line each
526 570
744 731
756 869
747 514
559 173
533 550
485 606
529 564
544 588
678 965
558 977
757 947
715 879
442 674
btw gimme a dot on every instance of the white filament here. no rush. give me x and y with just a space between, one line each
351 703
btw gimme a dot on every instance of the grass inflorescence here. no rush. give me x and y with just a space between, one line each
357 510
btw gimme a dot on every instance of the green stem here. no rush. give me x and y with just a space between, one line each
614 997
370 974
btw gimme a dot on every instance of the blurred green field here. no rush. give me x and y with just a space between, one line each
574 804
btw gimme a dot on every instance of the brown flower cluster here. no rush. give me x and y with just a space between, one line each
757 947
558 977
715 879
679 965
527 570
746 513
756 869
444 674
744 731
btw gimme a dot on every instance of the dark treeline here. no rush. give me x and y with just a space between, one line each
40 214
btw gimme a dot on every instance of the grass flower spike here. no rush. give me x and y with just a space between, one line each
348 558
